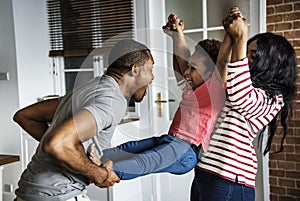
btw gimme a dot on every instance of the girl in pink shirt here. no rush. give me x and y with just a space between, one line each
202 99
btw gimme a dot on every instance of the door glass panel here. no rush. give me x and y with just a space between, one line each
78 62
174 97
174 91
217 9
74 79
218 35
194 38
192 18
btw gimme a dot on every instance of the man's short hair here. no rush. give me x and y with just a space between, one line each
125 54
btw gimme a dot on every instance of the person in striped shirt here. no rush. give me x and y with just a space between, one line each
261 85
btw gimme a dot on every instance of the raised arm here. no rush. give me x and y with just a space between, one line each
181 51
35 118
237 28
223 59
232 42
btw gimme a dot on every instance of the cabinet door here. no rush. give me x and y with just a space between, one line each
29 148
97 194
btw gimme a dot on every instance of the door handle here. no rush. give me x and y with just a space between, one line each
162 101
159 101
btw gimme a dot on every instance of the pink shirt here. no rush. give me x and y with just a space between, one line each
197 113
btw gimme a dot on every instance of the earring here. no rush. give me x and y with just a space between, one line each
134 69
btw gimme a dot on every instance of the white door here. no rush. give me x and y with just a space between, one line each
202 20
154 113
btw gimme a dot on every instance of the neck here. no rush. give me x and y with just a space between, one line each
122 81
114 75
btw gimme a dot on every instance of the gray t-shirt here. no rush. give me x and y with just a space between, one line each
44 179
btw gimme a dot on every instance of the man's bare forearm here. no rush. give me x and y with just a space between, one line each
74 158
64 143
35 118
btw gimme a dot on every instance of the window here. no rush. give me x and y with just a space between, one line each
81 34
203 19
77 27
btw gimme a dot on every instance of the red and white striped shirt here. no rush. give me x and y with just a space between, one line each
247 110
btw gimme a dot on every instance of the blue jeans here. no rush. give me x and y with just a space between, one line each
166 153
210 187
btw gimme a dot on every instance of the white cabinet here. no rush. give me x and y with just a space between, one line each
1 191
29 147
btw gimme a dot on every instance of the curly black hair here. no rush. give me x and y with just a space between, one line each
274 70
211 48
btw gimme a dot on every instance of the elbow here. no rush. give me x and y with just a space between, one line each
48 147
52 146
57 146
18 117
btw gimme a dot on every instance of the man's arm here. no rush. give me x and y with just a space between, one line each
181 51
64 143
35 118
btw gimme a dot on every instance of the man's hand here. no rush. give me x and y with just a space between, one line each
112 178
174 25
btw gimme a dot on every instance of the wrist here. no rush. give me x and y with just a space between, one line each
178 35
241 39
106 177
101 176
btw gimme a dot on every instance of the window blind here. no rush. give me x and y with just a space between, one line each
77 27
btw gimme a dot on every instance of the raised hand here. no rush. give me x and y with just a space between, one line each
181 51
237 29
235 24
174 25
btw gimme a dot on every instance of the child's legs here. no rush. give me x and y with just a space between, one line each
184 164
169 156
127 150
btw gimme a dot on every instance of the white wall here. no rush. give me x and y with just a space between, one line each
32 47
9 133
24 54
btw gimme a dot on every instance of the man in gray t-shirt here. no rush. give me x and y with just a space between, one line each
60 169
